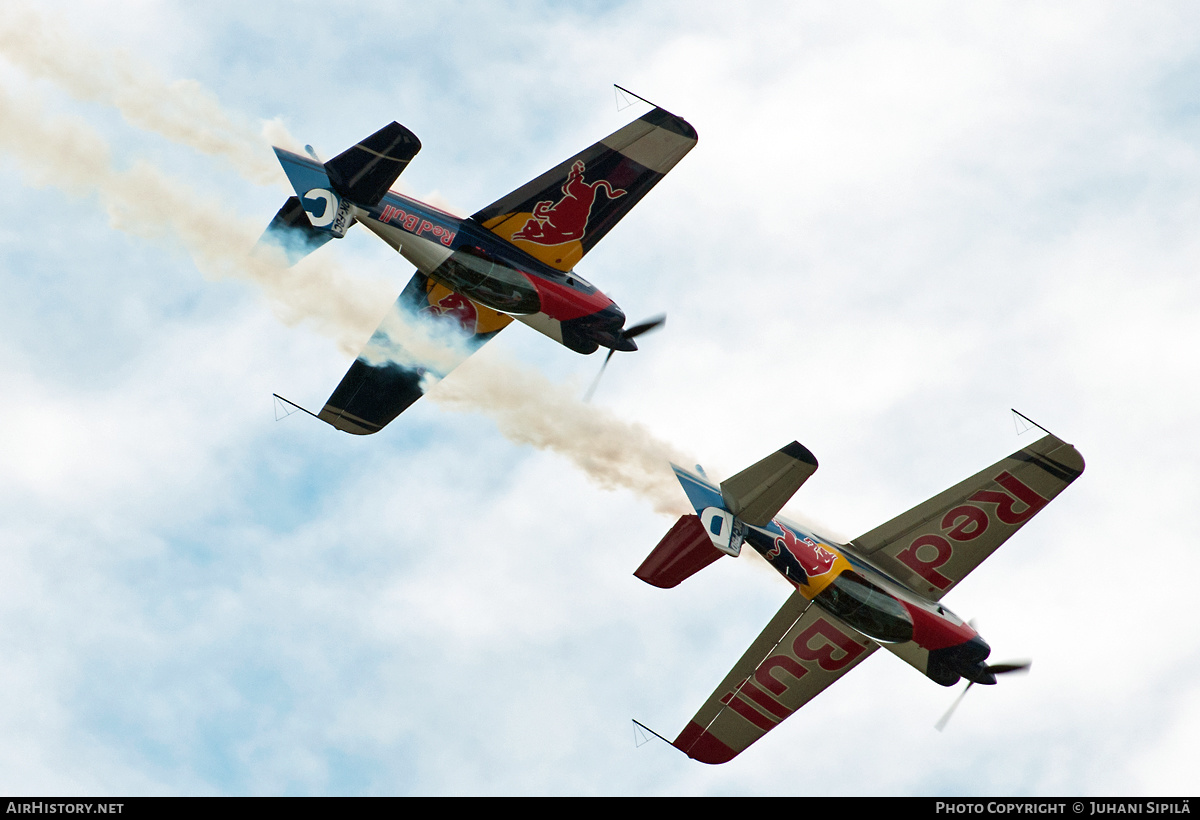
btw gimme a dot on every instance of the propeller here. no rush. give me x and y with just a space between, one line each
627 333
995 669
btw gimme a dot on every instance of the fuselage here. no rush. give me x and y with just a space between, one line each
466 257
924 633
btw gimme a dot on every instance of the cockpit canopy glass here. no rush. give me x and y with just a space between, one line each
476 274
867 608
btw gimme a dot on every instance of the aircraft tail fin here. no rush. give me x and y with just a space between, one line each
364 172
751 498
327 194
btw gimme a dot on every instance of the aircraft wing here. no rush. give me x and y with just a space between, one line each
559 216
935 544
803 650
428 332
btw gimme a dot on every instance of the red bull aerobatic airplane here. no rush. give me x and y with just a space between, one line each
513 259
880 589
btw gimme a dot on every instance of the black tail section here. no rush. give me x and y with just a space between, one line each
325 194
364 173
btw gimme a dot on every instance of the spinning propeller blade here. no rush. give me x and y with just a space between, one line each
995 669
596 383
1015 666
645 327
627 333
941 724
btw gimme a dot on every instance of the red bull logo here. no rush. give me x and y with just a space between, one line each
813 558
553 223
458 307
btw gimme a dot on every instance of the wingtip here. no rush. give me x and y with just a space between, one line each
1072 459
698 744
663 118
799 452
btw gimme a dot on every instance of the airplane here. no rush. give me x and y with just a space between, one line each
883 588
513 259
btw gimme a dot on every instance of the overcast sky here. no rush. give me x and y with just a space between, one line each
901 220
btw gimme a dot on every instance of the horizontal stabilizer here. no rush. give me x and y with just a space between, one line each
682 552
291 231
758 493
365 172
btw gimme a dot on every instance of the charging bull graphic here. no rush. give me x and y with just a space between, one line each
455 306
554 223
813 558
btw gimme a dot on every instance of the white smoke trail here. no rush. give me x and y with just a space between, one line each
69 154
529 409
188 114
183 111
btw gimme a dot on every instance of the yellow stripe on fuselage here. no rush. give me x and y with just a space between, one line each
818 583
